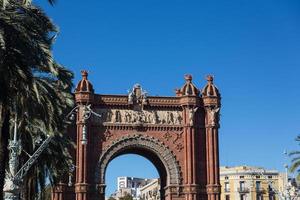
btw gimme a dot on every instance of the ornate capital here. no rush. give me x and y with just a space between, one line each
59 188
191 115
82 187
212 116
191 189
213 189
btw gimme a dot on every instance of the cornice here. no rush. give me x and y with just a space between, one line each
122 100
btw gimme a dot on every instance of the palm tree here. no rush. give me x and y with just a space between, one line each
295 166
41 89
55 161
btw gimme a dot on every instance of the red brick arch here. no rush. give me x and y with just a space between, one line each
179 135
137 143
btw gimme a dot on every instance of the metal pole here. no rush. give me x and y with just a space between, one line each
12 188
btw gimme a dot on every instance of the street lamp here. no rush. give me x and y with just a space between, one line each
287 192
71 170
87 112
14 177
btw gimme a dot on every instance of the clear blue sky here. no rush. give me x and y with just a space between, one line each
251 46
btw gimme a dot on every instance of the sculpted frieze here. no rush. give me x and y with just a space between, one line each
126 116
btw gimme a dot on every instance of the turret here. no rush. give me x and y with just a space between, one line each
84 92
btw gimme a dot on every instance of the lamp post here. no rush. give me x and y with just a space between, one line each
14 177
11 187
87 112
287 192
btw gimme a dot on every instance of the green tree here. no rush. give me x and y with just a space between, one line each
38 86
295 166
126 197
111 198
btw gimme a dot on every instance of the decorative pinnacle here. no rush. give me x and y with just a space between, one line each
84 74
188 77
210 78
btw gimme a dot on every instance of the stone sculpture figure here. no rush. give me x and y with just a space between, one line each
113 116
127 117
171 118
123 116
154 117
134 117
118 116
166 117
192 112
130 97
109 115
137 95
212 115
177 118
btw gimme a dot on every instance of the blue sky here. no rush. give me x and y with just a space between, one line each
251 46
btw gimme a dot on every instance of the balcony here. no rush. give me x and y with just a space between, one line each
271 191
243 190
226 189
260 190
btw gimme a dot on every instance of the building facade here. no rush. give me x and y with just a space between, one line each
249 183
150 191
131 186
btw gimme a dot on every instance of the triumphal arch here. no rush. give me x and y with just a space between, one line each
178 134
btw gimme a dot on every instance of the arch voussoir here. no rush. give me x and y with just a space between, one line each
137 141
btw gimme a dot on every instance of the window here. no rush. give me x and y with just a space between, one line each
258 185
227 188
243 197
227 197
242 176
270 187
259 197
242 185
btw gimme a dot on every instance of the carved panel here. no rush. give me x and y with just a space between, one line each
126 116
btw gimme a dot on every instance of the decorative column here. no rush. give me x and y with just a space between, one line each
189 99
58 192
211 100
84 96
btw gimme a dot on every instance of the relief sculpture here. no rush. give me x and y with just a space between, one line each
144 116
212 114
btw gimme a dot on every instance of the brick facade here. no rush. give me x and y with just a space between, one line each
179 135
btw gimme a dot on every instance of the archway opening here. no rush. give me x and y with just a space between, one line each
148 147
137 172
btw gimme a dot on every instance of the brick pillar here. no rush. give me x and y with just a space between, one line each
211 101
212 153
84 95
189 100
58 192
190 185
